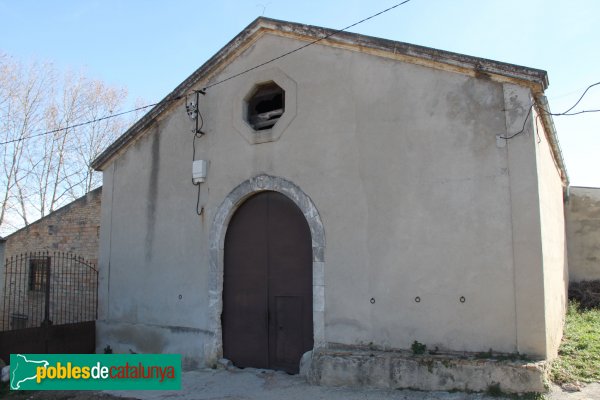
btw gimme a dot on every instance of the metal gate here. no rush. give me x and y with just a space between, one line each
49 304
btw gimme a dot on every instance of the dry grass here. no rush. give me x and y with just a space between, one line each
586 294
579 352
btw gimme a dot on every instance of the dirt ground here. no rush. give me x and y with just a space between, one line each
62 395
252 384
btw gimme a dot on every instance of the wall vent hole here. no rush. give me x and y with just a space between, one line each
265 106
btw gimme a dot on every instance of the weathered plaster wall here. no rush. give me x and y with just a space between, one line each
583 233
153 283
538 233
554 246
413 187
526 270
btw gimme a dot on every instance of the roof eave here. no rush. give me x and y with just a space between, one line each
536 79
552 136
100 162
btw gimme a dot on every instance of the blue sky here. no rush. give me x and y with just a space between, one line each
149 47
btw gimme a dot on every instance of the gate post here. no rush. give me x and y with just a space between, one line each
2 248
2 271
47 294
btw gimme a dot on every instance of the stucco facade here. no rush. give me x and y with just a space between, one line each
427 224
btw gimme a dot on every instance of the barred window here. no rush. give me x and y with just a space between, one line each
38 268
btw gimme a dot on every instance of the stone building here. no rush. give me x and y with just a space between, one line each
62 245
74 228
583 233
360 193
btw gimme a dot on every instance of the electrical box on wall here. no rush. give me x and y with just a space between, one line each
198 171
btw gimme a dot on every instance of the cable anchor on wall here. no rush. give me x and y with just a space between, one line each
193 111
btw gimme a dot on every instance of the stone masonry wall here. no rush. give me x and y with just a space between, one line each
582 213
73 228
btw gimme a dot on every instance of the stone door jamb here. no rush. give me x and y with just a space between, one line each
263 182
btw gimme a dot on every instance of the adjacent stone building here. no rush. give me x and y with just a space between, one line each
74 228
62 245
358 194
583 233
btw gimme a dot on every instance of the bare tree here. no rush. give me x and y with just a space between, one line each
41 172
99 101
21 102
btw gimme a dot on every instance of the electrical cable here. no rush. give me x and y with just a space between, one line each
83 123
215 83
306 45
196 136
537 130
575 113
522 129
566 113
201 210
581 98
198 132
194 113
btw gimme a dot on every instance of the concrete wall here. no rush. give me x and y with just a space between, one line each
554 246
538 234
425 210
73 228
583 233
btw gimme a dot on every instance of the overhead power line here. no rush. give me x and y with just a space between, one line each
213 84
575 113
578 101
79 124
565 113
562 114
306 45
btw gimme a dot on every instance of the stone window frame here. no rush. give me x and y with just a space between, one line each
268 92
240 102
260 183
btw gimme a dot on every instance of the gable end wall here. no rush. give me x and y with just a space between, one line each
73 228
420 200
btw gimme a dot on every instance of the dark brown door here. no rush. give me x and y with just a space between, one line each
267 289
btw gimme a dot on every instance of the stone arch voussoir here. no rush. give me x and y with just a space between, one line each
259 183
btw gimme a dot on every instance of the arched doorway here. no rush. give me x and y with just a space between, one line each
267 317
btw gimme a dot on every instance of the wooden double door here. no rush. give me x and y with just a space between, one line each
267 289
